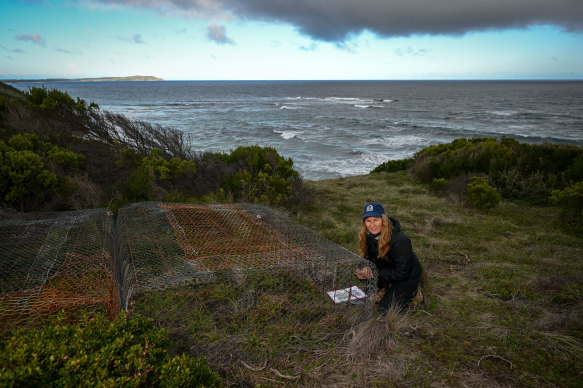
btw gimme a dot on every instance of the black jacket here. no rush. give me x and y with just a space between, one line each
400 264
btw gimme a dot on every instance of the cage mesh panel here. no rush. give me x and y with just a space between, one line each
168 244
64 261
148 253
56 261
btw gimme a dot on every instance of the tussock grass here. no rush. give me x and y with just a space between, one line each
378 333
565 345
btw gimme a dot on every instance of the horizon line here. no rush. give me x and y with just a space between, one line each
105 79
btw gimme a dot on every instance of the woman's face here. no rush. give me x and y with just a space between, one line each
374 224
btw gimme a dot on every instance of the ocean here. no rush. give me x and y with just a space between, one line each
341 128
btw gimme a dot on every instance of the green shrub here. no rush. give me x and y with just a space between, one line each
98 353
150 177
535 187
521 171
165 169
260 175
477 155
46 100
574 172
571 202
480 194
394 165
32 171
140 184
438 184
24 177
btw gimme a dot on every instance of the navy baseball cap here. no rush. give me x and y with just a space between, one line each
374 209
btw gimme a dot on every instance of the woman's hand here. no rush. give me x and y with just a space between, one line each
364 273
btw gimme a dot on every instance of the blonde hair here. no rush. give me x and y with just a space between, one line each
384 239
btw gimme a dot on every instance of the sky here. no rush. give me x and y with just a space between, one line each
292 39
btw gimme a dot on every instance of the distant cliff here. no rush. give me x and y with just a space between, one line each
101 79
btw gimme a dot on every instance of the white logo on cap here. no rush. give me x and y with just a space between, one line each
369 208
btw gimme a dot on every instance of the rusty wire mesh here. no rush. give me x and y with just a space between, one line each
241 284
169 244
56 261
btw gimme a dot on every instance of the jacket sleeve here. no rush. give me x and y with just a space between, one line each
401 259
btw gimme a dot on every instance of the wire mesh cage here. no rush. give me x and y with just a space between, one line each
170 244
51 262
227 280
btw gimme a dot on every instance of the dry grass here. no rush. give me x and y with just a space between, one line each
378 333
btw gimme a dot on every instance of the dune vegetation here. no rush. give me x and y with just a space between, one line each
59 153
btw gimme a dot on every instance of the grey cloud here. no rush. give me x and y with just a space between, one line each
346 47
65 51
410 51
136 38
18 51
337 20
311 47
34 38
218 33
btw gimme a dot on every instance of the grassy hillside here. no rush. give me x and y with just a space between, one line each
505 285
9 91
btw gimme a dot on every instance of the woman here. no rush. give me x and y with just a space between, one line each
382 242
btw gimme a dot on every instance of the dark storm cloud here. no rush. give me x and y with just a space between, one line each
335 20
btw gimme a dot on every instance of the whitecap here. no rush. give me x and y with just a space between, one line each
394 141
361 163
368 106
348 100
287 135
504 113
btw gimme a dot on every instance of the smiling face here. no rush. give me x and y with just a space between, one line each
374 225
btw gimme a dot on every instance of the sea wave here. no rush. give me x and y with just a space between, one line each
287 134
358 163
505 113
368 106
